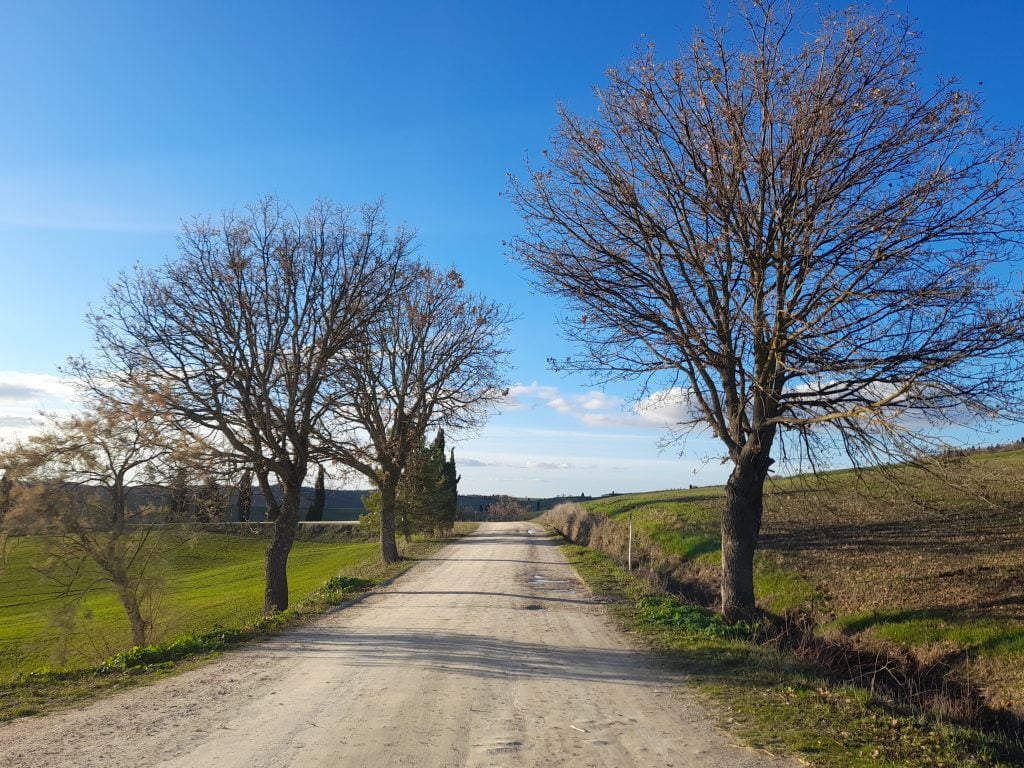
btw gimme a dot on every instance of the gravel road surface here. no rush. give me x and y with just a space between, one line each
492 653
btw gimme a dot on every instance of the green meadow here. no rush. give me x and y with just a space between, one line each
211 580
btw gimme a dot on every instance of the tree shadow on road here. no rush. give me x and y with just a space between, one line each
470 654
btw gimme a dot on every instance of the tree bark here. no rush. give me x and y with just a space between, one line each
388 546
741 526
275 597
130 603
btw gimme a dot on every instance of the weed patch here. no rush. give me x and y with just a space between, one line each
690 619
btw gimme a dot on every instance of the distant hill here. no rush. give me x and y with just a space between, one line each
348 505
338 505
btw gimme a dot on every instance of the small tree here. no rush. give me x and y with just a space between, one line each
422 493
76 483
211 501
434 359
178 497
792 240
421 499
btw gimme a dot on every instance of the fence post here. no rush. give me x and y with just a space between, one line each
629 546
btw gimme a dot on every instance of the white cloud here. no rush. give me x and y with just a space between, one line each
549 465
659 410
667 408
19 392
34 387
17 421
523 464
579 470
23 395
596 401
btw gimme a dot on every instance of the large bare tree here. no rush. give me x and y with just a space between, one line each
238 339
435 359
793 236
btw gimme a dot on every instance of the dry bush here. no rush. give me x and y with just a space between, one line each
507 509
573 521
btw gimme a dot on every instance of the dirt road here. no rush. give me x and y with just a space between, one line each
490 654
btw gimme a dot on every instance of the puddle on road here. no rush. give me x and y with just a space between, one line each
540 581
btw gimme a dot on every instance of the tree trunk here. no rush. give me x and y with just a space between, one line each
741 525
275 597
130 602
388 547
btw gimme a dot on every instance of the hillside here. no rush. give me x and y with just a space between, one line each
348 505
933 560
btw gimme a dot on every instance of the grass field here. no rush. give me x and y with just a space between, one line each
933 560
213 580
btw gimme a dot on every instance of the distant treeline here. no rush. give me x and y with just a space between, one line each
1014 445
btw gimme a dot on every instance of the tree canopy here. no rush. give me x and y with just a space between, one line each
786 231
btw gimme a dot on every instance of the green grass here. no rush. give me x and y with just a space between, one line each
215 581
685 524
321 576
775 703
780 589
932 627
689 505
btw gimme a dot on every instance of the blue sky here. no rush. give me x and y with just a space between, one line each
122 118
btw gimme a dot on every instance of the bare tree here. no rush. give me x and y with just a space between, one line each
506 508
786 232
434 360
238 339
75 484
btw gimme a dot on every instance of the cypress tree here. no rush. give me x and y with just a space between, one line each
450 484
244 502
316 508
